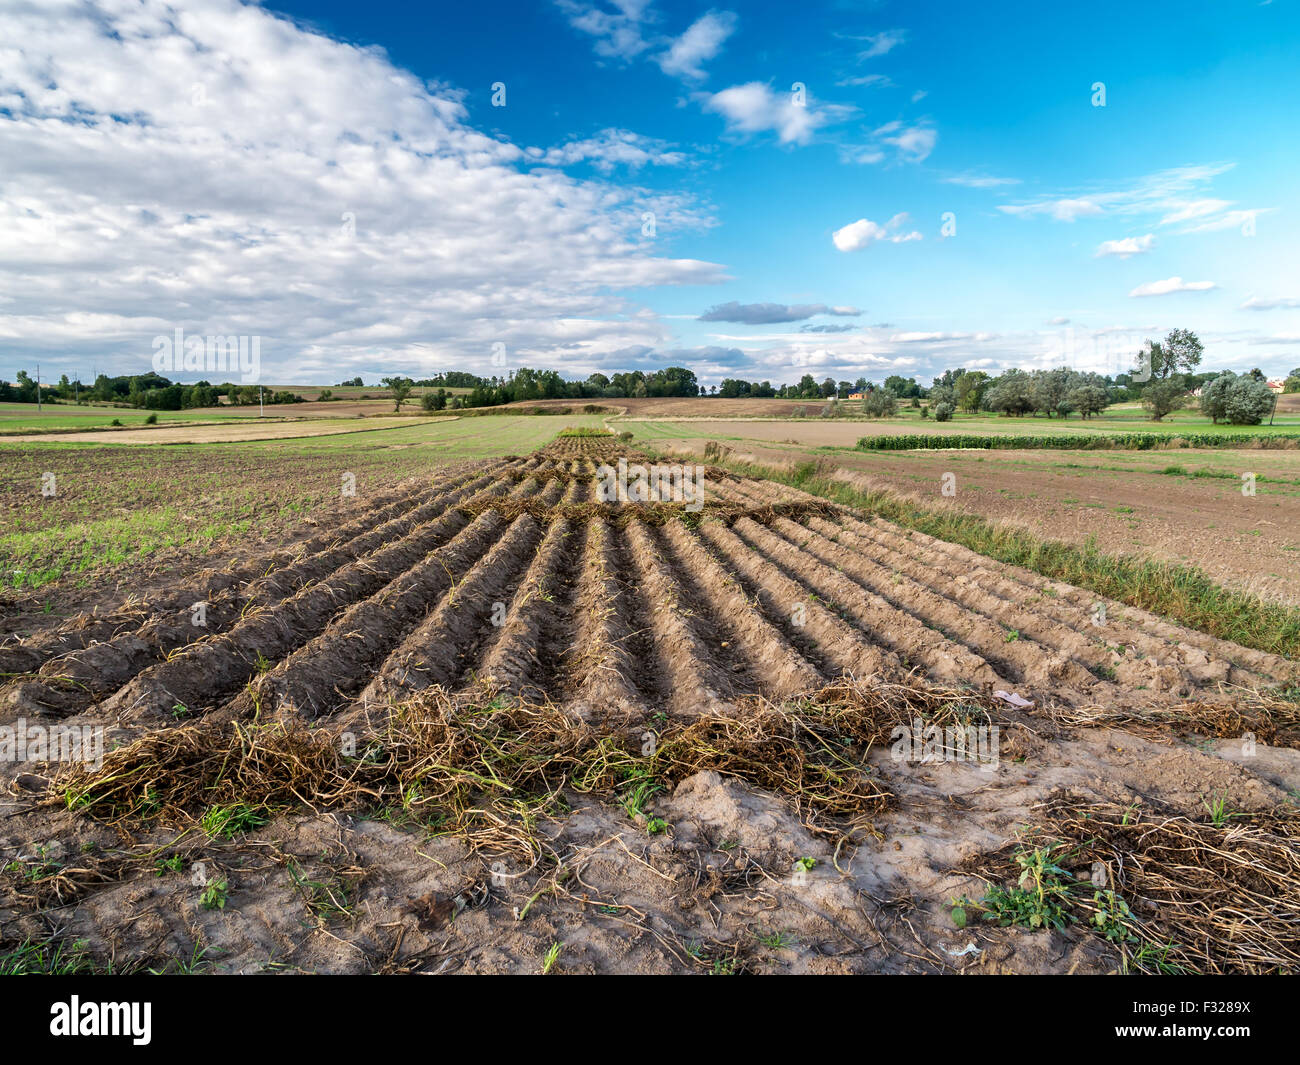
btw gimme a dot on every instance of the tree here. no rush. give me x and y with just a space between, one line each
1088 400
943 394
1048 388
399 388
1214 396
1010 394
879 404
943 412
1180 352
1163 397
970 389
1248 402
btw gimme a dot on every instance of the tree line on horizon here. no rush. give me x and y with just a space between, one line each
1161 380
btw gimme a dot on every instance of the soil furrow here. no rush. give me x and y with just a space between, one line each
207 670
826 640
1012 653
768 664
696 682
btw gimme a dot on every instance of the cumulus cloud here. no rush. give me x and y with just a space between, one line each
1170 285
907 144
617 34
701 42
857 235
769 313
611 148
755 108
1127 247
263 179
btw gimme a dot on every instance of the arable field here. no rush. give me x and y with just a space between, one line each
118 511
484 716
1184 505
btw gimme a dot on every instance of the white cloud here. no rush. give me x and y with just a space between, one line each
1170 285
980 181
701 42
1228 220
857 235
1127 247
1167 197
1257 304
1194 209
914 143
910 144
618 34
881 81
265 180
881 43
608 149
1062 210
755 108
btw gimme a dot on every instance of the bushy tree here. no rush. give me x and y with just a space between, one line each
399 388
1248 401
1163 397
943 412
879 404
1089 399
1048 389
1214 396
1010 394
970 389
1179 352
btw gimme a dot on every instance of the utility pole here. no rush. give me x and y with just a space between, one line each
261 407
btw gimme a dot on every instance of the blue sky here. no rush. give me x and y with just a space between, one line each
944 191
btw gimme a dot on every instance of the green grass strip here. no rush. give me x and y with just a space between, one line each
1148 441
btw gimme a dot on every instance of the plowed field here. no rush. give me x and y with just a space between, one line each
512 570
655 736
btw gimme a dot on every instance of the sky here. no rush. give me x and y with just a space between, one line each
760 191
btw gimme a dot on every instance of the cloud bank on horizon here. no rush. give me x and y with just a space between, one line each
609 185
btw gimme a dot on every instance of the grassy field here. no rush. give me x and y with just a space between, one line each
125 504
24 418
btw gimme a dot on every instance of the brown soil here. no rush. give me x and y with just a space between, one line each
629 627
1123 500
223 432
